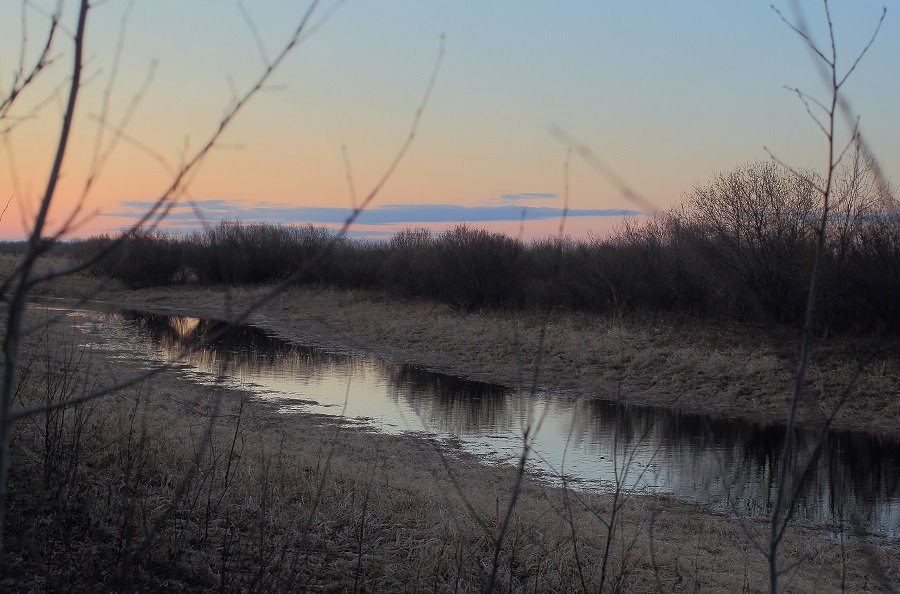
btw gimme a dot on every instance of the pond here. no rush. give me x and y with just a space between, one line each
729 464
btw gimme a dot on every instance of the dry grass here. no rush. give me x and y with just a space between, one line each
388 518
717 368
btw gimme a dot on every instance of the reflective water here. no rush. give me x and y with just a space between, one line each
727 463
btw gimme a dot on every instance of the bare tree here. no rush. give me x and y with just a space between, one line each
16 288
825 114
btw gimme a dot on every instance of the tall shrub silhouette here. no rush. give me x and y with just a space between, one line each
754 226
235 252
475 268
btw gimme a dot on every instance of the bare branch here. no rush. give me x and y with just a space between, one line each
65 130
18 302
138 144
23 81
601 167
348 172
97 159
100 158
851 142
806 99
6 207
245 313
168 198
11 122
785 493
798 174
802 32
260 45
864 50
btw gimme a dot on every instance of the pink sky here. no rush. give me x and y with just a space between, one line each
665 94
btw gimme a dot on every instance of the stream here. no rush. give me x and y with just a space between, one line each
728 464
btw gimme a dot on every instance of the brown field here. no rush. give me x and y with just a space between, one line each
175 485
722 369
282 501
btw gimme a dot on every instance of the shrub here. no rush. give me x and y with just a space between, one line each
755 227
861 280
739 247
408 264
144 258
234 252
471 268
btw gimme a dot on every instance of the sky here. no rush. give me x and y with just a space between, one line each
666 94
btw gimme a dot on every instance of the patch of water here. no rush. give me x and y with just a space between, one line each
729 464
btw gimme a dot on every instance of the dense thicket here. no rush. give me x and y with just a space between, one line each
741 246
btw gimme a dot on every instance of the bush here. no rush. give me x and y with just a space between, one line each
143 258
739 247
471 268
407 265
755 227
233 252
861 282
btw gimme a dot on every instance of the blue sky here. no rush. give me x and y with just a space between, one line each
666 93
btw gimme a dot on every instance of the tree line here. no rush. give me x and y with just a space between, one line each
740 247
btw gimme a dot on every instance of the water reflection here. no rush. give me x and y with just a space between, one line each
729 464
449 404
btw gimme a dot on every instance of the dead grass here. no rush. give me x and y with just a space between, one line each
717 368
388 517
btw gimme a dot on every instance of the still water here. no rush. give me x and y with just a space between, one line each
728 464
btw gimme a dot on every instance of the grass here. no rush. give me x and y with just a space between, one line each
713 367
118 494
279 502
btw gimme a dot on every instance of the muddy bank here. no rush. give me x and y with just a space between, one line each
718 369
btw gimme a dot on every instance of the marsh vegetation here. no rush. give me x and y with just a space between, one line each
738 249
177 484
767 293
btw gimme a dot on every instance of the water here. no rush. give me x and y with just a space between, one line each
729 464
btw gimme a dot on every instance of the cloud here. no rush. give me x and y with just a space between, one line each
212 205
528 196
390 214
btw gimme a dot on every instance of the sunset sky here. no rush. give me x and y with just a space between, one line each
666 93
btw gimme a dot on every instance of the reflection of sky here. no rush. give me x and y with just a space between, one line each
659 450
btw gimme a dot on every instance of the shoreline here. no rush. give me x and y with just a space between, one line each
702 368
388 510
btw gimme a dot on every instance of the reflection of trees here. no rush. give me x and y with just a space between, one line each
695 456
869 466
242 349
451 404
853 472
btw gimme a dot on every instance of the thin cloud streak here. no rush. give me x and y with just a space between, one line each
391 214
528 196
